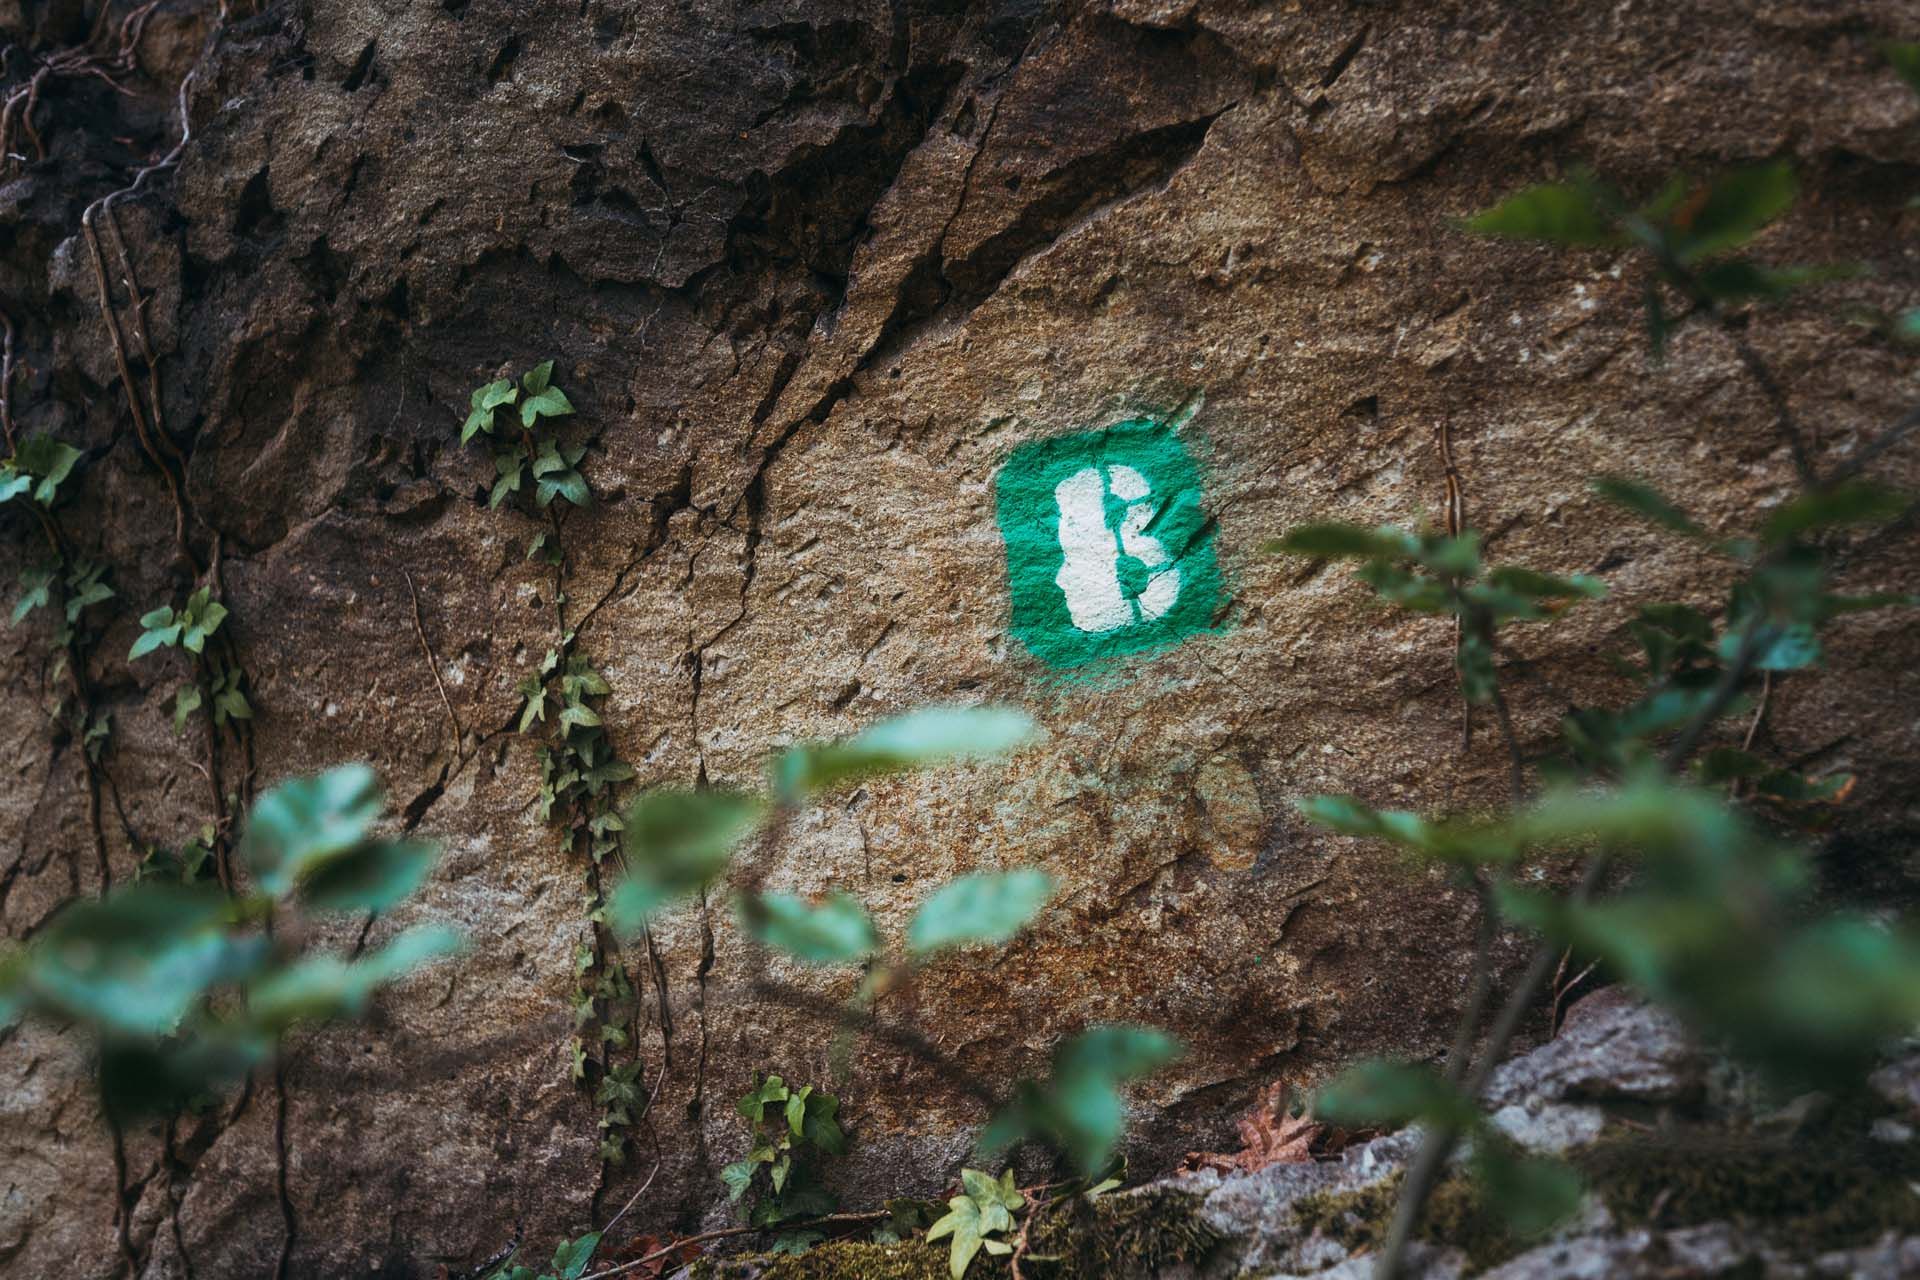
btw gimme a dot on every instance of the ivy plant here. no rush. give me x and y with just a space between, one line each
979 1217
39 466
531 449
189 628
181 987
570 1259
792 1131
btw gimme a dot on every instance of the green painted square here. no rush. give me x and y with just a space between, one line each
1108 548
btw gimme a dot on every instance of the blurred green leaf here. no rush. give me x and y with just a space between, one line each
934 736
1547 586
1571 213
374 876
1383 1094
1474 661
1736 279
676 842
837 931
1731 209
1646 501
1533 1193
983 907
1077 1108
1336 541
322 987
1824 508
303 823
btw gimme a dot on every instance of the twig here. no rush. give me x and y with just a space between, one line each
729 1233
635 1197
433 665
1892 436
6 382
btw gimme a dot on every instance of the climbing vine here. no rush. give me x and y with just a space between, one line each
561 703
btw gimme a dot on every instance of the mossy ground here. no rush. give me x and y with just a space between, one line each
1113 1238
1807 1195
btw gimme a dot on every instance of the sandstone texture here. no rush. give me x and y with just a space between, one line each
810 270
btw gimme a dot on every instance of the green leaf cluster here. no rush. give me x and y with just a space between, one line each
190 628
1077 1108
181 987
39 466
1688 229
677 842
531 449
978 1218
1445 574
570 1259
792 1132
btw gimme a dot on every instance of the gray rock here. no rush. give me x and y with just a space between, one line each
1612 1047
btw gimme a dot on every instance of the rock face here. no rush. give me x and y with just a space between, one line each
811 272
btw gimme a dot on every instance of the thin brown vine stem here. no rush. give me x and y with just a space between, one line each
1487 932
433 666
1878 445
730 1233
6 382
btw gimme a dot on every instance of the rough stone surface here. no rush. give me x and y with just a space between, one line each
1612 1048
810 271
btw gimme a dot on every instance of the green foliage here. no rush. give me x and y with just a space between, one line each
935 736
1687 229
1077 1108
570 1259
975 1218
37 469
792 1131
837 931
181 987
1904 58
676 843
189 629
192 863
1534 1193
988 906
532 449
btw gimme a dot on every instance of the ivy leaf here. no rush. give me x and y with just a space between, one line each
157 637
568 484
231 704
1788 648
550 403
1569 213
739 1177
921 738
536 379
837 931
35 591
983 907
962 1222
495 394
13 483
185 703
571 1258
48 459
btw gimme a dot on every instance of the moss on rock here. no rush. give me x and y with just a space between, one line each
1125 1237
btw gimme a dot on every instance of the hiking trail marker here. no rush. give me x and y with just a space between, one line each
1108 548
